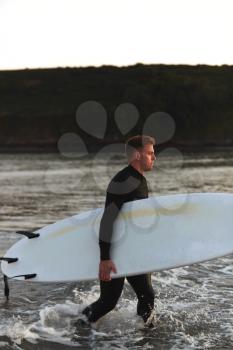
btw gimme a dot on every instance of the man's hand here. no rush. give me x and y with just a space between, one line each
105 268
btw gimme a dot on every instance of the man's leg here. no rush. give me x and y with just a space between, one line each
110 292
142 286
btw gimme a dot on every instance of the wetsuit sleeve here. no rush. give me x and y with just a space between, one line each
111 211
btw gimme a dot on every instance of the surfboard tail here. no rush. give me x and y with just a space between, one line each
6 278
6 284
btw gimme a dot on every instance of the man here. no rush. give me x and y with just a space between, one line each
127 185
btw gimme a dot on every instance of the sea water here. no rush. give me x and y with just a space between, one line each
193 304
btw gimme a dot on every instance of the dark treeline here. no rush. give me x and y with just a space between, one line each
38 106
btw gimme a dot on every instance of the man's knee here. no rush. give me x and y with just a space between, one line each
148 296
151 294
101 306
109 305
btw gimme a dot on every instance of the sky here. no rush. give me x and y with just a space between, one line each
74 33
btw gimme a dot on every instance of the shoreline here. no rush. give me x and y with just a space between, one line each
53 149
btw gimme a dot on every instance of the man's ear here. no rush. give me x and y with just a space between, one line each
137 155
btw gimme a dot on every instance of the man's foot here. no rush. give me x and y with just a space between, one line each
151 320
82 322
82 328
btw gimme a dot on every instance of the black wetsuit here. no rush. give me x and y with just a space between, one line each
127 185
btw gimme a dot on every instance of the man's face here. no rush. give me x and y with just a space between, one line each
147 157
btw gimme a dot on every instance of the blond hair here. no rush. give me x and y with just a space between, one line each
137 142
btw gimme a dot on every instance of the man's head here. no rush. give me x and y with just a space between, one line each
140 152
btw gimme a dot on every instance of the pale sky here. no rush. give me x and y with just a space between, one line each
52 33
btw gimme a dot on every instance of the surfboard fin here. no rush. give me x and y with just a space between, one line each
9 260
26 276
5 279
6 285
28 234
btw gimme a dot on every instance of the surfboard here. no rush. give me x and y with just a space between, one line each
153 234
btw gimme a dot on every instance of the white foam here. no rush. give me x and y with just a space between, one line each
16 330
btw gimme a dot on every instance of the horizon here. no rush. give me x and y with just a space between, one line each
115 66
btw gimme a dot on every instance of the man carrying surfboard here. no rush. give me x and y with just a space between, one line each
127 185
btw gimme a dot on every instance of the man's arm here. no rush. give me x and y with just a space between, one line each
110 214
113 206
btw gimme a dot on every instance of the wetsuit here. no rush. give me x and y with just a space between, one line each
127 185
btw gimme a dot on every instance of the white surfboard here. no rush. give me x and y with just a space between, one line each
152 234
